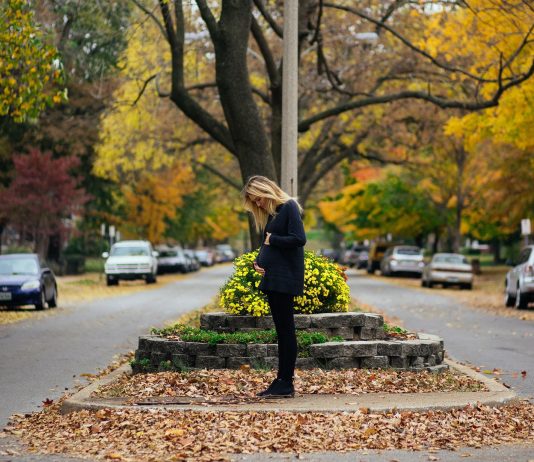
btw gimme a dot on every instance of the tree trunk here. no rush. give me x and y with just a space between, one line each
460 198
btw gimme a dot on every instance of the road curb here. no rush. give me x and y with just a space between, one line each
497 395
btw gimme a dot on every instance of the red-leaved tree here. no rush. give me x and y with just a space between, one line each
43 191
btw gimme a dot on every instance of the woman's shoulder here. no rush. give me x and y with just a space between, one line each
290 206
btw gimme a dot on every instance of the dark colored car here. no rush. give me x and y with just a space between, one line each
356 256
172 260
25 280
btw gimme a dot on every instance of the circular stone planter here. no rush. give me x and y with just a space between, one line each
425 352
349 326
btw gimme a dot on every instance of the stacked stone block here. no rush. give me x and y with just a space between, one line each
424 353
349 326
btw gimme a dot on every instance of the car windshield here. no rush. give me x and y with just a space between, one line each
408 251
129 252
15 266
451 259
168 253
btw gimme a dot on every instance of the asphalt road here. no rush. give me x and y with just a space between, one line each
40 359
471 336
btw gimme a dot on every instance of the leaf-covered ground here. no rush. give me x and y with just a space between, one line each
157 435
247 382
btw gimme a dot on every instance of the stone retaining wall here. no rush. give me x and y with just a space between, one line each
425 353
349 326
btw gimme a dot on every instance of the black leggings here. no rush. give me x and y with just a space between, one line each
282 310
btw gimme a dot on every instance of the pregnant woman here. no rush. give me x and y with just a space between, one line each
281 263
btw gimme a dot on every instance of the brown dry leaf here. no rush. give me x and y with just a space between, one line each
48 402
113 456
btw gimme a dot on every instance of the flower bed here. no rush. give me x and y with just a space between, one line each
325 288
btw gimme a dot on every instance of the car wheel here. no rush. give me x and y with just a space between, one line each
151 279
42 304
467 286
112 281
52 303
521 301
509 300
430 284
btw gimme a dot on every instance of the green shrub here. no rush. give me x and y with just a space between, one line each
194 334
325 288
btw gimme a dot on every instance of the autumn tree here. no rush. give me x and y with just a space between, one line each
451 54
42 193
31 74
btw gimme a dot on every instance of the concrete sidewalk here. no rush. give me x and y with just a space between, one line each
497 394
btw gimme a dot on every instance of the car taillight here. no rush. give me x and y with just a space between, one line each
529 271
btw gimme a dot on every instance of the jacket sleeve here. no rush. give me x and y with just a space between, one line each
296 237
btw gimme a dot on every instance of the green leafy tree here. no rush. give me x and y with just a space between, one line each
30 68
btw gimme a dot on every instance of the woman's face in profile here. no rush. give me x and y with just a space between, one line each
260 202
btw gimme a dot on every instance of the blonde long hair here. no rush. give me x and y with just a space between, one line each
261 186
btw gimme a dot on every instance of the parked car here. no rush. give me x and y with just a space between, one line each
331 254
356 256
448 269
376 253
225 253
130 260
407 259
194 264
172 260
26 280
519 282
205 257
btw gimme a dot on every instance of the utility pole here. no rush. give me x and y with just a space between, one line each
290 98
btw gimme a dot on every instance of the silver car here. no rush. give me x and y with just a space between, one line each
402 259
448 269
519 282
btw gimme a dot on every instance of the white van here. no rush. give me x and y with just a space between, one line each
130 260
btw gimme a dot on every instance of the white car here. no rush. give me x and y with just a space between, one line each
130 260
448 269
519 283
402 259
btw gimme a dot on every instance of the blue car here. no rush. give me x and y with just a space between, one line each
24 280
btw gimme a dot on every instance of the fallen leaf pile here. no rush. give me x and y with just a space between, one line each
150 435
248 382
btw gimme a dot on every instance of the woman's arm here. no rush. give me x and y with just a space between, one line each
296 237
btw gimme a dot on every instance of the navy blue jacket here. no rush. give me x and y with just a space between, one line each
283 259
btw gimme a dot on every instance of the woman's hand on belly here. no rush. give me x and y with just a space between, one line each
259 269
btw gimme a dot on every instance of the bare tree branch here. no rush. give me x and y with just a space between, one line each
263 45
152 16
201 86
436 100
408 43
208 18
143 88
218 174
270 20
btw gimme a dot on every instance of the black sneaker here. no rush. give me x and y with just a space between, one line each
269 388
280 389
